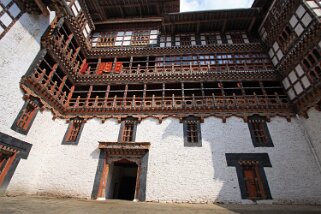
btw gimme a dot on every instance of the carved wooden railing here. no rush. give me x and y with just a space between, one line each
174 103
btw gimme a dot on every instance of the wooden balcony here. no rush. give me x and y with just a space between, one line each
247 103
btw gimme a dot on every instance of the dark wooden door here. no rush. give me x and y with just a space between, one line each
127 188
250 179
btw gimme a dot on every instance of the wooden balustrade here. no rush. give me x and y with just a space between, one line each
176 103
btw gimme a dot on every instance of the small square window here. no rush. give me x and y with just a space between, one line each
5 2
6 19
300 11
192 132
305 81
14 10
291 94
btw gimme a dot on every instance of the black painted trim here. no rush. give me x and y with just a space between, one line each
100 166
24 150
233 159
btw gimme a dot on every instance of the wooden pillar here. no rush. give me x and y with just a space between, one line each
72 89
7 167
137 188
103 180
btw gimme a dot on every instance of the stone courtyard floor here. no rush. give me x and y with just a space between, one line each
44 205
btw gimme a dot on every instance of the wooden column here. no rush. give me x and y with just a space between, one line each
103 181
7 167
137 188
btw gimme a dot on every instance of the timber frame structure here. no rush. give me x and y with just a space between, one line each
210 63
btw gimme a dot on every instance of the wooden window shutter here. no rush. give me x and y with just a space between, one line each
118 67
108 67
101 67
84 67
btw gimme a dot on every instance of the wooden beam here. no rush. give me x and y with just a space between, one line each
198 27
252 24
224 26
132 20
42 7
207 20
122 12
99 9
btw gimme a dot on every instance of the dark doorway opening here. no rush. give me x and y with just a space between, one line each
124 180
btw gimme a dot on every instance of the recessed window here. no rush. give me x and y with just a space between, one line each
74 130
192 131
259 132
127 131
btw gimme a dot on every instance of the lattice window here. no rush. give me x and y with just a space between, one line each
165 41
74 130
192 132
211 39
123 38
25 117
185 40
237 37
315 5
140 38
104 39
75 6
9 14
259 132
276 53
86 31
128 130
253 182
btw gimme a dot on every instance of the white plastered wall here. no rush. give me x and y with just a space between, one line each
19 47
312 126
200 174
51 168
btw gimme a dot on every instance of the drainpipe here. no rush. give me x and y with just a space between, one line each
309 142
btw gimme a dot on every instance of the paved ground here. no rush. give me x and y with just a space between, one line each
43 205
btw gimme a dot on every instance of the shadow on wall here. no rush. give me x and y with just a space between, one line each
215 133
34 25
95 154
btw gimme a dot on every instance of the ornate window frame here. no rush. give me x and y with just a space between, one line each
259 132
128 126
26 116
15 149
73 133
260 160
